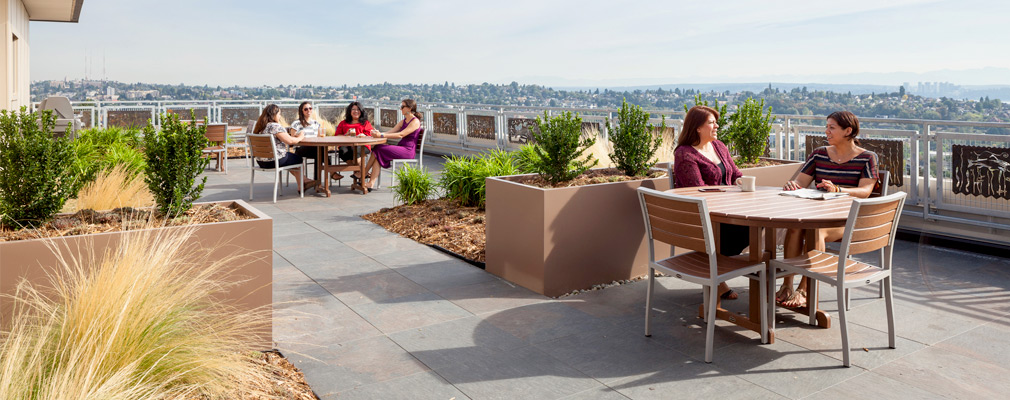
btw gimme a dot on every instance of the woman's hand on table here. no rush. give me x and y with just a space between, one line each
791 185
828 186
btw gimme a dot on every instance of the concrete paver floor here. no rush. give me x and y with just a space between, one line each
368 314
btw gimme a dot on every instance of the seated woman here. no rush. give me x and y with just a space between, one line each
355 123
269 122
382 153
842 166
700 159
307 127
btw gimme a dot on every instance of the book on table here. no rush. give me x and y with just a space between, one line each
813 194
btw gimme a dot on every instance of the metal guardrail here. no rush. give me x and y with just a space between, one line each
467 128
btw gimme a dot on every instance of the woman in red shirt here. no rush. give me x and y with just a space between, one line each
355 123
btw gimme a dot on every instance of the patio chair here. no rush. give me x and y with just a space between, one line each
871 226
263 146
217 134
418 158
684 222
236 140
884 178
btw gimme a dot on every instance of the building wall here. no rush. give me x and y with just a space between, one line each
16 84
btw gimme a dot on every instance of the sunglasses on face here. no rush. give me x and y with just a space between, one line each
307 109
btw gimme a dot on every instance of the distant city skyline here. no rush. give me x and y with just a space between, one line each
552 43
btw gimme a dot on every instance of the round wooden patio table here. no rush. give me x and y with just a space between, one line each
766 209
324 143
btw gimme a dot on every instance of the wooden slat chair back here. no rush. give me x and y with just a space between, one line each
871 226
263 146
683 221
217 135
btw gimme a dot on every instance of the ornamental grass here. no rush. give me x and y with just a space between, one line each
113 188
140 322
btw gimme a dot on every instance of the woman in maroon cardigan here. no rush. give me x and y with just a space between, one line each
700 159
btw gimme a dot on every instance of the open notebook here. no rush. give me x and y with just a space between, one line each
812 194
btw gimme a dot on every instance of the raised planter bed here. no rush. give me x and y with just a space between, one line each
553 241
247 245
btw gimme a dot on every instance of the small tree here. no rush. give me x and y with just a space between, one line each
559 145
36 168
633 142
749 129
174 160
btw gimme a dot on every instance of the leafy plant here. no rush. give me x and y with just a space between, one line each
414 185
526 159
464 178
143 321
634 144
560 143
749 129
36 168
174 160
100 149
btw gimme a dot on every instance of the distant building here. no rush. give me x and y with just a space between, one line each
15 88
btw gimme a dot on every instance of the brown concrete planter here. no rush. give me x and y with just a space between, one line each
554 241
249 242
773 175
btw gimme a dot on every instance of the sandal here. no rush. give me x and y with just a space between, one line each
729 295
793 300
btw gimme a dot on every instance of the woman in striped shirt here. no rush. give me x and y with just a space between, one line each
842 166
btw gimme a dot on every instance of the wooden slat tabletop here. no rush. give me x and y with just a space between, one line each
765 207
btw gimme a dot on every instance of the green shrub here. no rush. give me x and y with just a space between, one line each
101 149
174 160
464 178
36 168
749 128
414 185
634 144
560 143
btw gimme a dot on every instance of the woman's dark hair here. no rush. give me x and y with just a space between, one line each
301 113
347 113
846 120
268 115
412 105
696 117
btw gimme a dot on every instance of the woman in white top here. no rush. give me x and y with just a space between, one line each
306 127
269 122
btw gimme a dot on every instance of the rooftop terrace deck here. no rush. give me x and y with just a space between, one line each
368 314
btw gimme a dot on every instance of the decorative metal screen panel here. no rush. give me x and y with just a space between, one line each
128 118
980 171
890 154
520 130
388 117
445 124
480 126
239 116
184 113
85 117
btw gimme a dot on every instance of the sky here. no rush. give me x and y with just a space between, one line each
546 42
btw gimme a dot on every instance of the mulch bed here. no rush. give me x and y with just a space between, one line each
286 382
594 176
441 222
90 221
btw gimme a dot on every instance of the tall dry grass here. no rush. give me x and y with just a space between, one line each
600 150
137 323
114 188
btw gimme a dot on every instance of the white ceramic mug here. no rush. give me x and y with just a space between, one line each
352 131
746 183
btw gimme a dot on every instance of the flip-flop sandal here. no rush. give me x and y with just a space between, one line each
792 296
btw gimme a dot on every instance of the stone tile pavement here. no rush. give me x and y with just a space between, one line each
368 314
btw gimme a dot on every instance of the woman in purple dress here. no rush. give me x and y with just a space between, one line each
382 153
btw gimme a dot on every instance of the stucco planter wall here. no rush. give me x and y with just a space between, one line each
554 241
247 242
773 175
